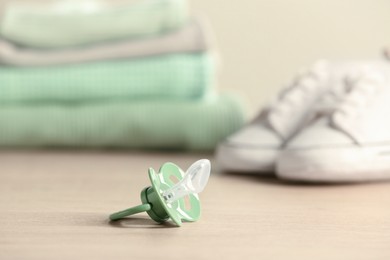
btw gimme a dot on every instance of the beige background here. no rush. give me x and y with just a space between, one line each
264 42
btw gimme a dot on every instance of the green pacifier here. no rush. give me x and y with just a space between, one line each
173 194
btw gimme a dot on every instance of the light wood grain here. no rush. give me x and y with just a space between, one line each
54 205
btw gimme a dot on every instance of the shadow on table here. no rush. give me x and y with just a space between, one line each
271 179
137 222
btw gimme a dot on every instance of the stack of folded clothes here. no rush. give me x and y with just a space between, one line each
131 74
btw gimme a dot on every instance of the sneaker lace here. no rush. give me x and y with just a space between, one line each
364 88
352 96
302 86
282 114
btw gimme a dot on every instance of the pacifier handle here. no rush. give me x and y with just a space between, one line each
130 211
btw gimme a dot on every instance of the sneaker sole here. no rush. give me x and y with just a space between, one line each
251 160
334 165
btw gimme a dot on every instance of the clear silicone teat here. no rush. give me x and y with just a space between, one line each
194 181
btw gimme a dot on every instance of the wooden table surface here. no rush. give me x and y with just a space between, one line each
54 205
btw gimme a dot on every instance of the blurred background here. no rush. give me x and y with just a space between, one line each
265 42
71 70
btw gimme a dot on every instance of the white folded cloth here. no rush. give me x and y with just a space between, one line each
191 38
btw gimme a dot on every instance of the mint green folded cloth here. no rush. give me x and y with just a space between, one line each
70 23
167 76
191 125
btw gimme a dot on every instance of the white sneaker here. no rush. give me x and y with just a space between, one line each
349 142
254 148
